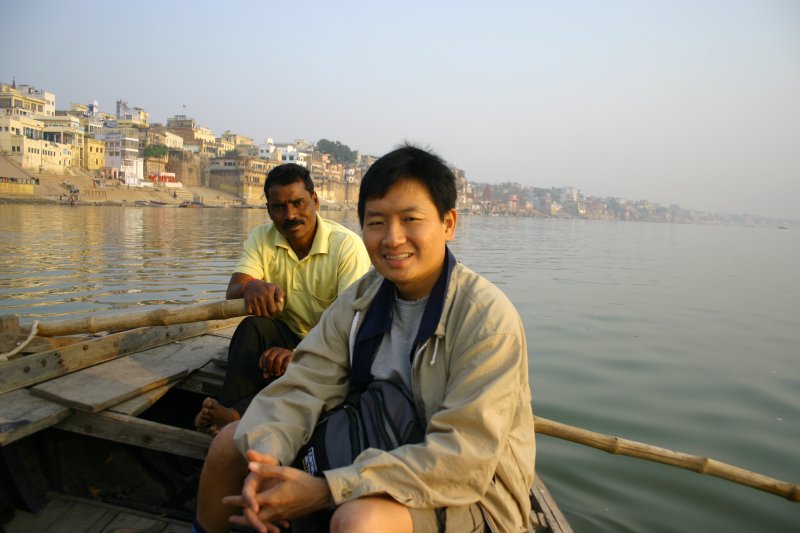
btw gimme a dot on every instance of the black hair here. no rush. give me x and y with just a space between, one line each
409 163
286 175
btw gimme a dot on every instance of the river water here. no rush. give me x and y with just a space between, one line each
681 336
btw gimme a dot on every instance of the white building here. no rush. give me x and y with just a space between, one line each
131 173
122 154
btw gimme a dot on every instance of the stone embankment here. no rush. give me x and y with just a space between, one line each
55 188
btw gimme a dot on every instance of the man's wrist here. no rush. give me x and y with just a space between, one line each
244 285
329 503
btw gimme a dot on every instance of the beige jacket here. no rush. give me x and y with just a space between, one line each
471 388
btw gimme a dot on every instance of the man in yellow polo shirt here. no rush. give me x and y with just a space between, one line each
290 271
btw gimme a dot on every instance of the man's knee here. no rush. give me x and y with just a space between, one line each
371 515
223 451
352 516
257 325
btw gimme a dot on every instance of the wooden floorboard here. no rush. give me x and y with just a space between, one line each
22 414
100 387
224 332
139 404
64 514
140 524
36 368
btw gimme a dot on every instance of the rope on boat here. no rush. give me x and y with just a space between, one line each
8 355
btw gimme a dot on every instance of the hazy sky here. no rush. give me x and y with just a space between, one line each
688 102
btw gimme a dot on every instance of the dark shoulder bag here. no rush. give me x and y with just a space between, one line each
381 417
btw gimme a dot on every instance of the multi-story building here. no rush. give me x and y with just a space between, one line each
49 108
352 182
188 167
65 129
464 197
266 151
89 115
248 150
282 152
288 154
131 117
22 139
94 153
224 146
328 176
363 162
121 156
242 176
15 103
196 138
302 145
131 172
236 139
91 111
158 134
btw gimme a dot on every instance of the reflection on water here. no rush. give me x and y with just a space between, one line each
682 336
60 261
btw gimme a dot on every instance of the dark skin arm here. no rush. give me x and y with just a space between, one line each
262 299
272 494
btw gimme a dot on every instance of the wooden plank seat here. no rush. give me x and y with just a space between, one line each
121 389
101 386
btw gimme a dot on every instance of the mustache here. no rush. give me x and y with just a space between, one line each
291 223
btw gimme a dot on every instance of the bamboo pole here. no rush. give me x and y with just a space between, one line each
136 319
696 463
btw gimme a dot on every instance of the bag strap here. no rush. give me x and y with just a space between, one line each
378 321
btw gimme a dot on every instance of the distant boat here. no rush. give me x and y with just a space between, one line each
783 227
191 204
142 202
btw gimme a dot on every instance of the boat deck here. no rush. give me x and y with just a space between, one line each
99 388
64 514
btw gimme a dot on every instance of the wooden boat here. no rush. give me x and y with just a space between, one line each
102 408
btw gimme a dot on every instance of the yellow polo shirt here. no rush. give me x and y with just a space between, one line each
337 258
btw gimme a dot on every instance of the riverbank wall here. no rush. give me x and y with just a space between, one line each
18 185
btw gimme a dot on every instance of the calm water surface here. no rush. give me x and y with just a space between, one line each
686 337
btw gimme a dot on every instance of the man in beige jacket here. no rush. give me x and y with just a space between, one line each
445 335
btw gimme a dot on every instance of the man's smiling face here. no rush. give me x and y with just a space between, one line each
405 237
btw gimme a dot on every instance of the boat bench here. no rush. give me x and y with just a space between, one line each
99 386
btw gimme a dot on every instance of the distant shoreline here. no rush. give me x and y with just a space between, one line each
7 199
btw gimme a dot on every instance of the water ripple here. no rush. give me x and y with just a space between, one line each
681 336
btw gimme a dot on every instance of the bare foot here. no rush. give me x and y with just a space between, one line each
214 416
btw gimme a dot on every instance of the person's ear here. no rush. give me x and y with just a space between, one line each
450 220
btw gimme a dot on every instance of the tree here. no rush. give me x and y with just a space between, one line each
340 152
156 150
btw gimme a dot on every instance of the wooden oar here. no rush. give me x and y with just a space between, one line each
216 310
696 463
